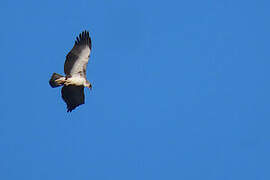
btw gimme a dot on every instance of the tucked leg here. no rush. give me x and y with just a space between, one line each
60 80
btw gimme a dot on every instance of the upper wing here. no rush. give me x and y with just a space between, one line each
77 58
73 96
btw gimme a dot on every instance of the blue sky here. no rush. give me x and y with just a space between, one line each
180 90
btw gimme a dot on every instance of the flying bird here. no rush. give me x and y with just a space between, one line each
74 80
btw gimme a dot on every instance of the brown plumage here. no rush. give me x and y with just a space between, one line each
75 69
73 96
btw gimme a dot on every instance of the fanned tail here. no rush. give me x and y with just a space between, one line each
53 79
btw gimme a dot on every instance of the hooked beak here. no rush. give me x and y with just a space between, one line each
90 87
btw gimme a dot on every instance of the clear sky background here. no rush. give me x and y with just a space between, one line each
181 90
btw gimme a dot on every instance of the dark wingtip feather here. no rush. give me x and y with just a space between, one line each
83 39
71 108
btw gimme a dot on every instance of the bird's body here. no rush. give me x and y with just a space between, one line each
75 69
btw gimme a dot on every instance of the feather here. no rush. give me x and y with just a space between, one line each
77 58
73 96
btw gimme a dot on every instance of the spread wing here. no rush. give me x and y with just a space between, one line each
73 96
77 58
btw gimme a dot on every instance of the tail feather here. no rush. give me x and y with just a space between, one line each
52 81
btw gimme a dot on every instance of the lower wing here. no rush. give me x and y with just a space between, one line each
73 96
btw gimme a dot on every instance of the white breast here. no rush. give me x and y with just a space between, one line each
77 80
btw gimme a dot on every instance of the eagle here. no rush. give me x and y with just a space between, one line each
74 80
